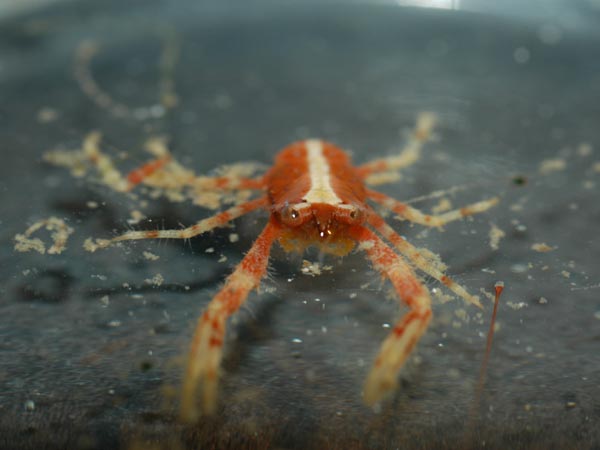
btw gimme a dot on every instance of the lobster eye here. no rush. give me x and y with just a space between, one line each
291 216
351 214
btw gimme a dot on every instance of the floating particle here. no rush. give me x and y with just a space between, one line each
495 235
150 256
552 165
60 233
156 280
542 247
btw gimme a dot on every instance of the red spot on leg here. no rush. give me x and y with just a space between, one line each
399 330
151 234
215 342
446 281
215 324
137 176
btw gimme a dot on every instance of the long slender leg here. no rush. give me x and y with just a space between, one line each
163 171
409 155
419 260
166 172
207 344
202 226
416 216
407 331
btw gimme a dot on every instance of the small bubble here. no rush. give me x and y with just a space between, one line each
29 405
521 55
114 323
297 341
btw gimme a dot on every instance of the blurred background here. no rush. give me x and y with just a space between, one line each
91 344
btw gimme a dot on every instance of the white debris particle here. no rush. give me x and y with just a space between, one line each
518 305
156 280
442 297
150 256
135 217
587 184
59 233
222 259
443 205
542 247
596 167
100 277
105 300
210 250
114 323
92 204
584 149
495 235
47 115
519 268
297 341
313 268
385 325
566 274
552 165
234 237
353 295
462 314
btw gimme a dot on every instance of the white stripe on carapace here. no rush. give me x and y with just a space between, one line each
320 190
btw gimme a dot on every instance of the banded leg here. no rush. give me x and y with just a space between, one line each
421 262
408 156
408 330
166 172
207 344
416 216
202 226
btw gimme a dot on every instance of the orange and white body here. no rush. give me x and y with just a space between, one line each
315 197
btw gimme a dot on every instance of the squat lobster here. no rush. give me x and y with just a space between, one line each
315 197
